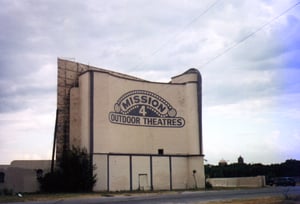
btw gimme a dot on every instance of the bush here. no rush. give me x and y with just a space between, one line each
52 182
74 175
6 191
208 185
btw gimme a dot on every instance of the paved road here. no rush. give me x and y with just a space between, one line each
184 197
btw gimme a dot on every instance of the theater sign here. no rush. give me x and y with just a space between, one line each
145 108
141 135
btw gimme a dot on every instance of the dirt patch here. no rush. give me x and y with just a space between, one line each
64 196
267 200
45 197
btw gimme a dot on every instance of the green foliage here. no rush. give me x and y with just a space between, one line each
208 185
288 168
6 191
74 175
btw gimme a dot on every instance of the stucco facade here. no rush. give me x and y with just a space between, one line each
140 134
22 175
237 182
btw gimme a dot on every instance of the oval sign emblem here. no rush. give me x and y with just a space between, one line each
145 108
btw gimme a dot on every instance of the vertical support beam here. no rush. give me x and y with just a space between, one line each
130 171
151 174
199 95
107 166
91 112
54 143
66 113
91 121
170 167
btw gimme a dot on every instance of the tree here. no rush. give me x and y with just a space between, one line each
74 175
288 168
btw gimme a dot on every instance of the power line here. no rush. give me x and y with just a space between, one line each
249 35
186 26
163 45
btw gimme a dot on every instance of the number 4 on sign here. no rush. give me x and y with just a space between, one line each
143 111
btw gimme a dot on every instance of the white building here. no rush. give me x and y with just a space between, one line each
22 175
140 134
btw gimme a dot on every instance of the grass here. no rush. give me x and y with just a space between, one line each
263 200
26 197
250 201
64 196
45 197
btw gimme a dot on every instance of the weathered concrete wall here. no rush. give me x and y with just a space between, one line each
257 181
75 118
161 149
101 134
102 172
136 138
116 172
68 77
21 176
141 167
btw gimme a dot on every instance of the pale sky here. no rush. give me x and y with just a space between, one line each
246 50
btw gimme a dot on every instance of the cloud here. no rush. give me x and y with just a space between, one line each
28 131
254 82
19 93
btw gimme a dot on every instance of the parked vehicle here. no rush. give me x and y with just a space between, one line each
284 181
270 181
